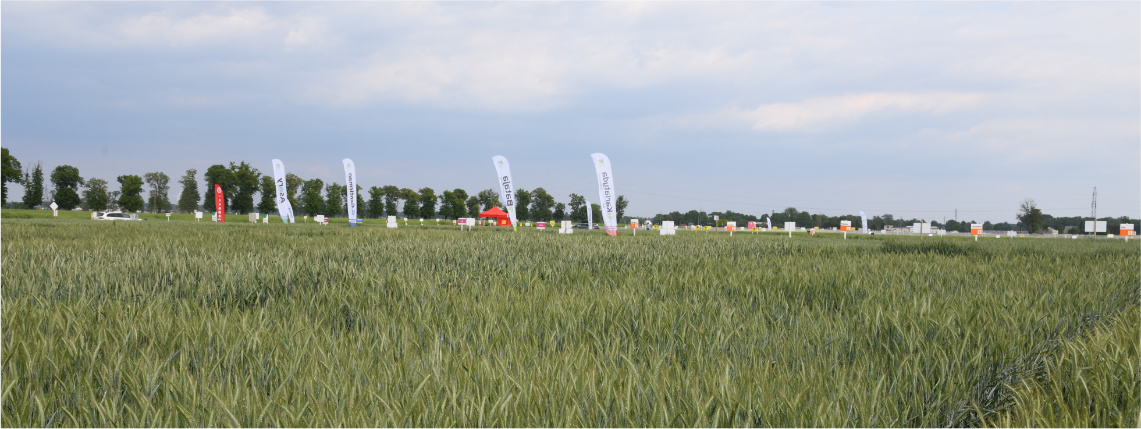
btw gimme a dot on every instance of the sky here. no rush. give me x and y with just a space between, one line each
910 108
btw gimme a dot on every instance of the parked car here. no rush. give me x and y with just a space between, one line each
116 215
585 225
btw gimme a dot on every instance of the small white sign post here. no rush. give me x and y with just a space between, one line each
197 216
540 226
392 221
845 225
634 226
790 226
54 206
976 230
168 216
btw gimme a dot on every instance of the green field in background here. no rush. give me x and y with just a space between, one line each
202 324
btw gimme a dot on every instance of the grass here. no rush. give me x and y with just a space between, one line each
204 324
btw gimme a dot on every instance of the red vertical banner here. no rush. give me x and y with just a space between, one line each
219 203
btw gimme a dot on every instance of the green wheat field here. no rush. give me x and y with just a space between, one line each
202 324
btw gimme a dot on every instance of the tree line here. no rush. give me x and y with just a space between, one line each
1031 219
241 182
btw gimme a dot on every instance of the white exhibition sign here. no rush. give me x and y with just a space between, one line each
351 190
790 226
284 208
506 188
392 221
606 194
1101 226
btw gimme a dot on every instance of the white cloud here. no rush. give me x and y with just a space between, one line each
826 112
163 27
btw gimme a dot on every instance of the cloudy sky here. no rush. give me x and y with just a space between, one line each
915 109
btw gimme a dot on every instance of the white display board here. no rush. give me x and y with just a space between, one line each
319 219
667 228
921 228
1101 226
392 221
790 225
565 227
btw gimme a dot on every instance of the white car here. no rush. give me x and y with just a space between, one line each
116 215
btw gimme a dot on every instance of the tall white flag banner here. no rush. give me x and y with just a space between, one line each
283 207
769 220
864 221
608 198
351 190
506 189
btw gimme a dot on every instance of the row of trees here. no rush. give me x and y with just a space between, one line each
1031 219
240 182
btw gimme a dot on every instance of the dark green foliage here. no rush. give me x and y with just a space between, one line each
268 200
246 182
188 199
541 205
312 203
522 204
391 197
488 198
334 200
66 180
11 172
578 208
218 174
375 208
130 192
159 184
411 203
473 206
427 203
95 194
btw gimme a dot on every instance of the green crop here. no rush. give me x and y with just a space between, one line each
204 324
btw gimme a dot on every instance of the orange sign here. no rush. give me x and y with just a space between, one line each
845 225
1126 230
976 229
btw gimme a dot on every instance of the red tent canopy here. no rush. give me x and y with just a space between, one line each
501 217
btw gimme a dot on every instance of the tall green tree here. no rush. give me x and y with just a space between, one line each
268 201
620 206
311 201
391 196
159 183
427 203
188 199
34 187
376 196
541 204
1030 215
597 212
488 198
522 204
246 181
11 172
411 203
459 198
95 194
292 184
218 174
131 192
578 208
560 212
66 180
472 206
334 199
